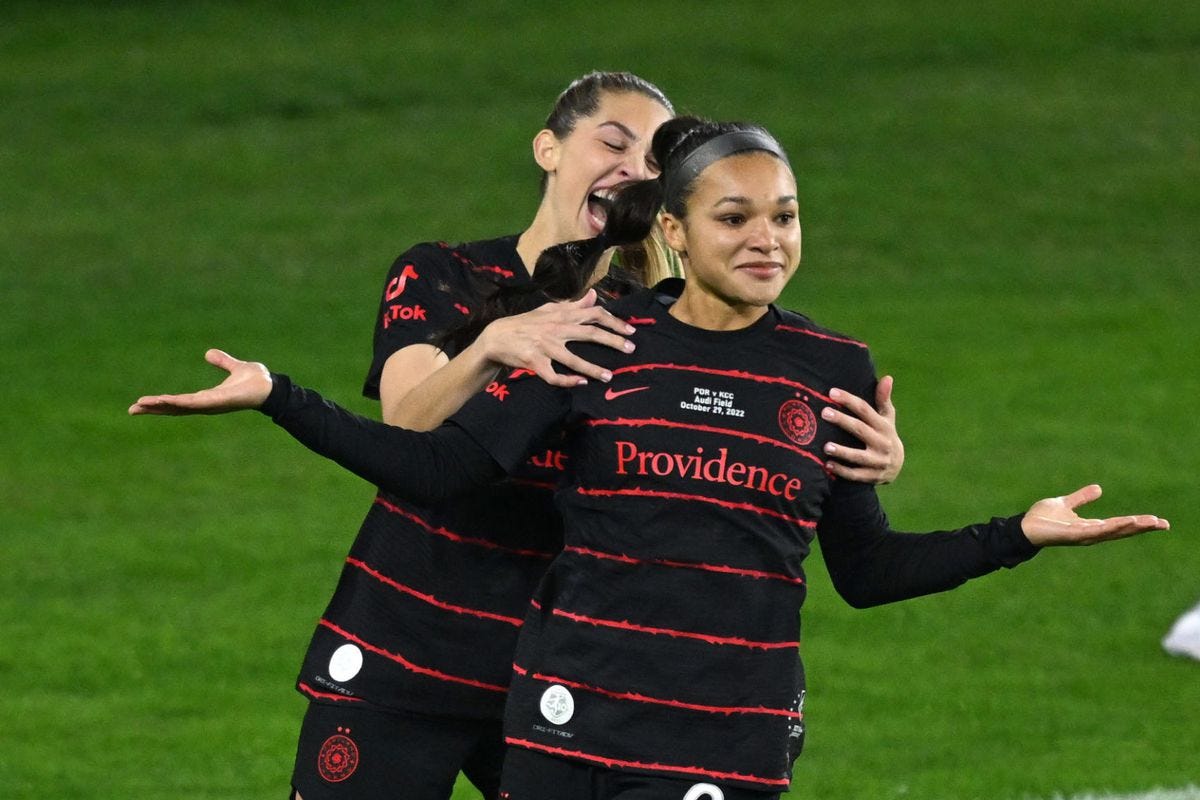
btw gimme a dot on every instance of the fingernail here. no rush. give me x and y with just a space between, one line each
628 347
827 413
835 393
581 382
830 448
630 329
606 376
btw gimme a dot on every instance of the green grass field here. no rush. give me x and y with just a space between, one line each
1003 201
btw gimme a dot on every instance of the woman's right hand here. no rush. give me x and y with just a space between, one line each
246 387
536 339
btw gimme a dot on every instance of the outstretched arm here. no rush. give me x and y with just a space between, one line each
423 467
871 564
882 456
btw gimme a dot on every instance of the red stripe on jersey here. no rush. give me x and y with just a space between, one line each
804 523
428 598
641 320
641 698
311 692
488 267
625 625
663 562
666 423
457 537
728 373
653 766
404 662
817 335
501 271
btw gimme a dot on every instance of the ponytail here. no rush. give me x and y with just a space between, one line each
684 147
562 272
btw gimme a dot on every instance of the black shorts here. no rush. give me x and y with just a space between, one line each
533 776
351 750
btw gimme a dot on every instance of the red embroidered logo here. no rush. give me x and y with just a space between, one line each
798 422
395 312
395 286
612 394
497 390
338 757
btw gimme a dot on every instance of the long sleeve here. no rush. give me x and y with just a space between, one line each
424 467
871 564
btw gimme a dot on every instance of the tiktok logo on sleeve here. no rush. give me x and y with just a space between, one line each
395 286
398 311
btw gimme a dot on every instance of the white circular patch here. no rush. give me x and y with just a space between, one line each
345 664
557 705
704 791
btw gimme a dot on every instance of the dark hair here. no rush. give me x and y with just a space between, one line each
582 97
563 275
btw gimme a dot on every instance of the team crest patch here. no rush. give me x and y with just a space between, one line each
797 421
338 757
557 705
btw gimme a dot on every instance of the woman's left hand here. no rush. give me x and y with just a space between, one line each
875 426
1053 522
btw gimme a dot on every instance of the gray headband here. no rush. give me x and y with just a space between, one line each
716 148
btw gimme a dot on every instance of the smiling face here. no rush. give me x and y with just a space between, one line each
741 240
604 151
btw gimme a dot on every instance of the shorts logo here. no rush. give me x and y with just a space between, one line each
557 705
347 660
704 791
338 757
797 421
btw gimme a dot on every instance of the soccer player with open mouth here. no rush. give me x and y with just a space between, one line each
659 655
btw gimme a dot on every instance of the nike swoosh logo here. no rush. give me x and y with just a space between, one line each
612 395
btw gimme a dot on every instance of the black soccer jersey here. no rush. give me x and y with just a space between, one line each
665 637
429 603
